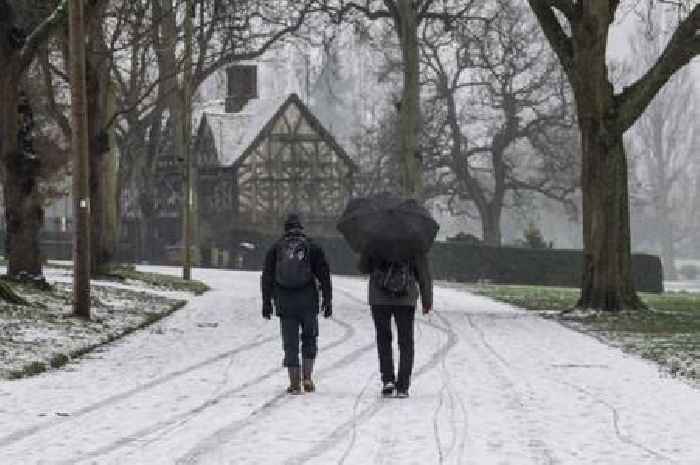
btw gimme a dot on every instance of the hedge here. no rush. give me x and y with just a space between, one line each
454 261
461 262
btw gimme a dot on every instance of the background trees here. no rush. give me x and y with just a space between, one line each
406 18
501 121
661 150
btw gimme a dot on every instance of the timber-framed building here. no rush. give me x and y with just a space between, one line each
254 160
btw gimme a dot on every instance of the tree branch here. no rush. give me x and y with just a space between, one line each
566 7
41 33
560 42
683 47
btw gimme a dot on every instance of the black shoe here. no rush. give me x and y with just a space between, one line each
388 389
402 393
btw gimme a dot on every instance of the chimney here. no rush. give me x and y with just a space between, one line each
241 86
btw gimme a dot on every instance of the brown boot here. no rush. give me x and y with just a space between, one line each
308 367
294 380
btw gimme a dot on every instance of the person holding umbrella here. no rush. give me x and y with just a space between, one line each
393 237
292 267
393 293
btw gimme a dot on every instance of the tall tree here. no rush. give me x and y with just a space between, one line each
502 122
101 105
578 32
24 27
406 17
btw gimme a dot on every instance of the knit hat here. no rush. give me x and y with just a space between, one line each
292 222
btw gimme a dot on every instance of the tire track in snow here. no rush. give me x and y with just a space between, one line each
184 417
192 456
616 422
354 416
368 412
544 452
615 415
226 433
112 400
448 386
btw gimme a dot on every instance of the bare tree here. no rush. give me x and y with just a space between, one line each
502 124
100 107
406 17
578 33
152 96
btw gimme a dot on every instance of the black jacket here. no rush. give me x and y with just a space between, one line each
288 301
419 268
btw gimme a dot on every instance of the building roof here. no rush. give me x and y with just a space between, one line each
234 132
237 134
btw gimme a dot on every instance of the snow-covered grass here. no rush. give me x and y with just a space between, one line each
668 334
45 334
129 274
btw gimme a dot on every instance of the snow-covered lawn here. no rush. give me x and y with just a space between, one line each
45 334
492 385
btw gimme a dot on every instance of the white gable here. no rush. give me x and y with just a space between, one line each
234 132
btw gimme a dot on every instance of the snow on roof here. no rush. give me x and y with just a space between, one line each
234 132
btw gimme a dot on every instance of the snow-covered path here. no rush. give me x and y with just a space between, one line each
492 385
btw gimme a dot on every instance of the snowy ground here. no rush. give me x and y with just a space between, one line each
492 385
682 286
47 334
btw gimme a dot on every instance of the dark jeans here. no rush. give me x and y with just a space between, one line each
289 328
404 316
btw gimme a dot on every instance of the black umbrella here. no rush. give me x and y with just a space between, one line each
388 227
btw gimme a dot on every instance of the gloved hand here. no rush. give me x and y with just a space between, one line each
327 309
267 310
426 310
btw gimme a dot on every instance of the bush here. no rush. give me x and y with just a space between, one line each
533 239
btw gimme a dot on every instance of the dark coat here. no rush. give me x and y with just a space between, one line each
378 296
291 301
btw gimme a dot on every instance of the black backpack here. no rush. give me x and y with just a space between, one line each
293 267
395 278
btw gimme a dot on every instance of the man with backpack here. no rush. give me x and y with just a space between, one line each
393 291
293 265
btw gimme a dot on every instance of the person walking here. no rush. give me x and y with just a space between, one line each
294 268
393 291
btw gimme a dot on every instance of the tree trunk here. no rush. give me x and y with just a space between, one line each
410 159
24 212
103 185
607 277
491 226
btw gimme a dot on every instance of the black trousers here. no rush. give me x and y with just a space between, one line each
290 327
403 316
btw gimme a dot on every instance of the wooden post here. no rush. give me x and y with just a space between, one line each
80 166
187 138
